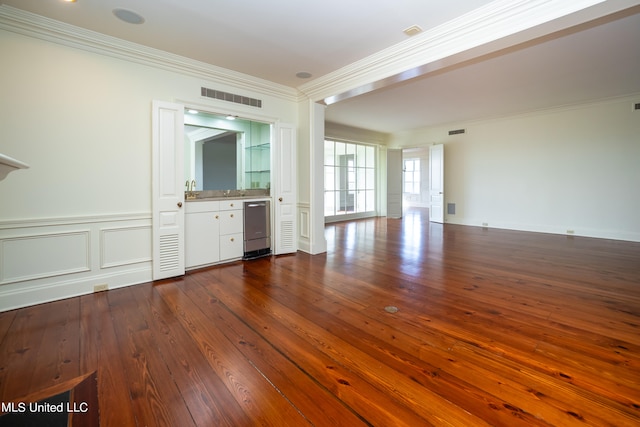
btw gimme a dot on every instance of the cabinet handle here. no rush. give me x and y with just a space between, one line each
231 205
231 215
216 216
280 199
179 204
232 239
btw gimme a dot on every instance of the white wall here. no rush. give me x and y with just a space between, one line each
573 168
82 121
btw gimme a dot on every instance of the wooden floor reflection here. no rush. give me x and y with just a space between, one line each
493 327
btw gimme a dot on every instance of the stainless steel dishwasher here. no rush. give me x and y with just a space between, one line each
257 229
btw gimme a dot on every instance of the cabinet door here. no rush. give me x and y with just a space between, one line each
201 238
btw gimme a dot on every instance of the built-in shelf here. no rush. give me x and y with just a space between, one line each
8 164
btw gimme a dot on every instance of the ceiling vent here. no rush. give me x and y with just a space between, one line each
457 131
230 97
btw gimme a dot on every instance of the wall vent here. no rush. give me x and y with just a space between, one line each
230 97
451 208
636 106
457 131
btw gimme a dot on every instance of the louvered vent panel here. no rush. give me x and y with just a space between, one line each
169 254
286 234
636 106
457 131
230 97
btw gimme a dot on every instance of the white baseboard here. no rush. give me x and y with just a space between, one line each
56 258
54 290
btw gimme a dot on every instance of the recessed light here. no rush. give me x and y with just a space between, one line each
128 16
303 75
412 30
230 117
192 111
69 1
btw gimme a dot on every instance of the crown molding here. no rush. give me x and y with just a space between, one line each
40 27
497 25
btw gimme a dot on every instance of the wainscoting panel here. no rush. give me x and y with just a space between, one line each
125 245
29 257
304 233
304 224
56 258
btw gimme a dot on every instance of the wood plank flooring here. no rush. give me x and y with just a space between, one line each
493 327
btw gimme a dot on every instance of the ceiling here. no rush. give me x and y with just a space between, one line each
277 39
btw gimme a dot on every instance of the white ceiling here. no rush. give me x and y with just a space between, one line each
276 39
595 62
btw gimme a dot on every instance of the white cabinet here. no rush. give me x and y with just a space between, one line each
213 232
231 229
202 236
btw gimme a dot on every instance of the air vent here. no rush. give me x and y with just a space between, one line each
451 208
230 97
636 106
457 131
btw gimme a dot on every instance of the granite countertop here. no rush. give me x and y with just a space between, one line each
208 195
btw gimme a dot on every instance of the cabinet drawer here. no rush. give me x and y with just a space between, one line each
231 246
227 205
231 222
195 207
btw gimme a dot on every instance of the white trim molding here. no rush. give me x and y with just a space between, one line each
33 25
50 259
496 26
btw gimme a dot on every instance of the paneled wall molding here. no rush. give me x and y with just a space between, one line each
498 25
53 258
304 232
29 24
115 250
36 256
85 219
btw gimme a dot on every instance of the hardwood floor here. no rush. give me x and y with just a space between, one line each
493 327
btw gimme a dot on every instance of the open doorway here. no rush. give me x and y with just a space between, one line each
415 177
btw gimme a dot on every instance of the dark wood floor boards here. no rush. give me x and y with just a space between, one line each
502 338
494 327
282 373
253 391
58 354
100 352
151 388
45 339
290 333
401 373
187 368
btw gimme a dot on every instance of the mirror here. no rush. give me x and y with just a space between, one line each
226 152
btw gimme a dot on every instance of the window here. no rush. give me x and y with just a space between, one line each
349 178
412 176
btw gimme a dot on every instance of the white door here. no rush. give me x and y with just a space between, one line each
394 183
436 183
167 189
284 188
